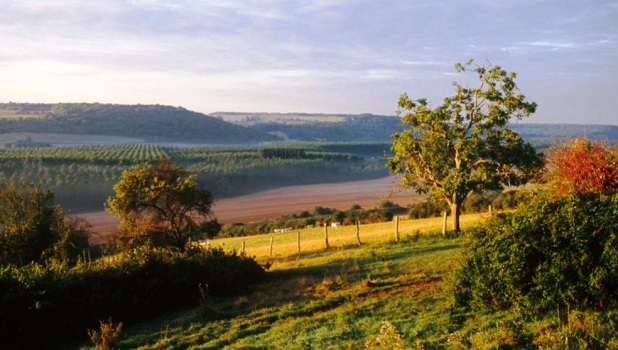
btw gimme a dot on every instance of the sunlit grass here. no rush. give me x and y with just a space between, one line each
326 299
312 239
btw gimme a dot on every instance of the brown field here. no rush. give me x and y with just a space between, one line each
286 200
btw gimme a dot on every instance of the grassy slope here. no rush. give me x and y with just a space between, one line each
339 299
150 122
334 299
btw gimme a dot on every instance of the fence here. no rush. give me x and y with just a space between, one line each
312 240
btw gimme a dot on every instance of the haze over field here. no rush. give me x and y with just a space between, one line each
314 56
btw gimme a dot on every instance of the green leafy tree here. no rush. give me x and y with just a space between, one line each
161 203
34 229
465 144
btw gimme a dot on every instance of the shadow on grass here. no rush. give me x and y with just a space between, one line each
304 291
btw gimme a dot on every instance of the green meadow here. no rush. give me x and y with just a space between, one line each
339 298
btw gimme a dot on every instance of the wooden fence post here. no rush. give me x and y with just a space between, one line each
444 225
326 236
490 209
396 228
298 240
358 241
243 247
270 253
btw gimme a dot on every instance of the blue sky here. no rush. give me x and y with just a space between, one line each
337 56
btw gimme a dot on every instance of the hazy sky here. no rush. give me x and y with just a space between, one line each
341 56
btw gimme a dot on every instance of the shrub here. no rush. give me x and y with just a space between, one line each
33 228
587 167
59 305
427 209
555 252
476 203
510 199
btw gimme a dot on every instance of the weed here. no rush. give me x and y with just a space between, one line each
389 339
106 336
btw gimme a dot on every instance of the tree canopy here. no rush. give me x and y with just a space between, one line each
465 144
161 203
34 229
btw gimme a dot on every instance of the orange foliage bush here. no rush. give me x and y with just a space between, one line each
588 167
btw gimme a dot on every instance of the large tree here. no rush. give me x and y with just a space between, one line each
465 144
161 203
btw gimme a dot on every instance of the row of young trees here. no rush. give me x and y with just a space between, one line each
82 177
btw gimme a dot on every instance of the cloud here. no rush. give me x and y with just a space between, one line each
344 55
552 44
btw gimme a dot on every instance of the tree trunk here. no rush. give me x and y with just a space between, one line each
455 214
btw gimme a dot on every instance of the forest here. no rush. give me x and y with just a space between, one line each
149 122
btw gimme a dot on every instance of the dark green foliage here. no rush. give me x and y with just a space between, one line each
322 211
152 122
427 209
510 199
478 202
553 253
284 153
33 228
45 308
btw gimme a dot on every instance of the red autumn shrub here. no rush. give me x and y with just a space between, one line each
588 167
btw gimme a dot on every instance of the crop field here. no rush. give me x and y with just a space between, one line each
82 177
338 299
283 201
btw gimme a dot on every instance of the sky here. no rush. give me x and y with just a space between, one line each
326 56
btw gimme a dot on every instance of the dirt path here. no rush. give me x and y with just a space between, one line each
286 200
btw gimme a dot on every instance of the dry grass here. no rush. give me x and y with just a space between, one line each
312 239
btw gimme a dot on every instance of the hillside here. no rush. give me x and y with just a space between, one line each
378 128
148 122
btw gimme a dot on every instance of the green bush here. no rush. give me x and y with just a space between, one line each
476 203
554 253
427 209
510 199
42 307
34 229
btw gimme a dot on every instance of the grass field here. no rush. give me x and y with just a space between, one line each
341 297
337 299
312 239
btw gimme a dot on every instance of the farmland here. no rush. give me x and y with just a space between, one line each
287 200
82 177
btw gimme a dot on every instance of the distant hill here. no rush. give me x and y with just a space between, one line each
378 128
148 122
